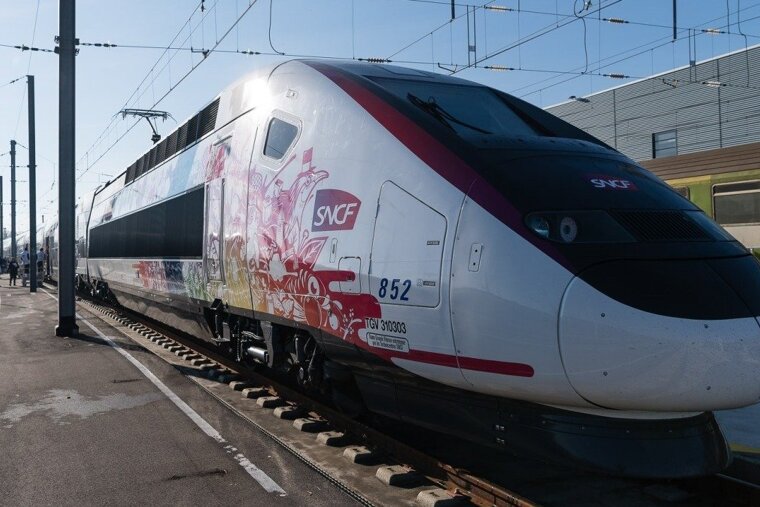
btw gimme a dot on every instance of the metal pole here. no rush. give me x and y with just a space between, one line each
13 199
2 231
469 46
32 189
675 26
66 163
475 35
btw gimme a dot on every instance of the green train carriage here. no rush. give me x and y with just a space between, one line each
725 183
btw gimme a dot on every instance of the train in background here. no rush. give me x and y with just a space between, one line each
22 239
724 182
732 199
439 252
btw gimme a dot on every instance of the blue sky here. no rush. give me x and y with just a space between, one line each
558 57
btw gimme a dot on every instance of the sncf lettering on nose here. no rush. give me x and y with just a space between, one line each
611 182
334 210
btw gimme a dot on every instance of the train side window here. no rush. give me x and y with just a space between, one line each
280 136
171 229
664 144
737 203
683 192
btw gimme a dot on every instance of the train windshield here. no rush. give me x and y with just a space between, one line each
469 111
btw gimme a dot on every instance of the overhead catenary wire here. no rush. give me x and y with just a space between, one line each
52 186
126 104
517 10
557 15
737 125
38 155
576 72
295 54
270 29
12 81
662 94
577 13
137 95
742 112
176 84
536 34
34 35
28 70
24 47
648 46
406 61
409 62
429 34
155 74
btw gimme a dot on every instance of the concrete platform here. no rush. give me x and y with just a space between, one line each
80 423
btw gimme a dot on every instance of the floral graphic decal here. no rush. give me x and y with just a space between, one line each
284 277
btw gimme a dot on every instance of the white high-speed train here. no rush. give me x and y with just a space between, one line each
437 251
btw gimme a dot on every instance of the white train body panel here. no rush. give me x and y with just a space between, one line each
507 311
623 358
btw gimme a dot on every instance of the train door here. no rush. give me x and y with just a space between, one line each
47 253
407 250
405 274
213 254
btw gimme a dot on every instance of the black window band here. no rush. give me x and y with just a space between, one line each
171 229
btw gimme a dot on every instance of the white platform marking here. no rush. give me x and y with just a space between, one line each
258 475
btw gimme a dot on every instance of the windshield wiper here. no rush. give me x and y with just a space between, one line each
433 109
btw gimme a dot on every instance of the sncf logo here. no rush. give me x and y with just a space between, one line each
610 182
334 210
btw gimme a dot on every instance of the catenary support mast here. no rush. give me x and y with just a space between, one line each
32 189
66 166
2 231
14 253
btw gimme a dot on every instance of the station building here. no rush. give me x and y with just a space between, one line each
697 127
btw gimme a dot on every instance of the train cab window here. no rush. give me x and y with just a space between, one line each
737 203
280 136
664 144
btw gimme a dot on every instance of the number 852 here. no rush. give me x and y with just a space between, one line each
398 289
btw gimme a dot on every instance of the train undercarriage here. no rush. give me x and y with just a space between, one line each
285 351
364 386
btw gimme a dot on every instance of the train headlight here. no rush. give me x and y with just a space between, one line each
582 226
568 229
539 225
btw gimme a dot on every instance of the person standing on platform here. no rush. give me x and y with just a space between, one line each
25 264
40 264
12 271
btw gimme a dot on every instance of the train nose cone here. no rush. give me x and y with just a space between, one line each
676 336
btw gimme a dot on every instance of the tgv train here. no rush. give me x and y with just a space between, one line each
436 251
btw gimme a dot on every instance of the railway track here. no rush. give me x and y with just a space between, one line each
413 465
447 484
